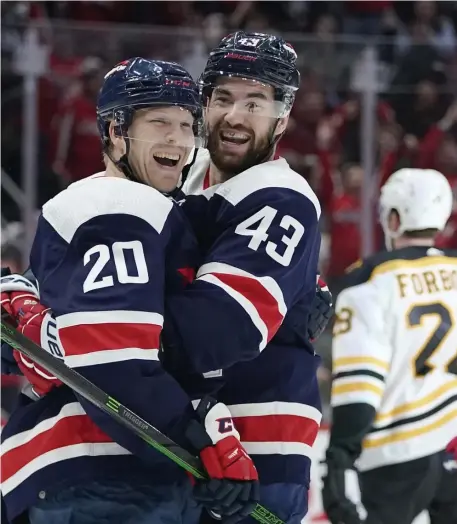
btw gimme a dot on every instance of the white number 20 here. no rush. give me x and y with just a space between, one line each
260 234
104 255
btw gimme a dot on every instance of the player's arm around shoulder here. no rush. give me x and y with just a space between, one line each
263 260
99 256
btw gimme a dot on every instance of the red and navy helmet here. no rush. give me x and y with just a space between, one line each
140 83
266 58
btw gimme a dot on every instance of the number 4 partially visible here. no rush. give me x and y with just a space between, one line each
260 234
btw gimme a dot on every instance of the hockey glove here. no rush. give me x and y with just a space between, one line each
17 294
321 311
339 509
305 322
232 490
20 299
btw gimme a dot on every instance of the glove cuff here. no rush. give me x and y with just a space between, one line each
18 283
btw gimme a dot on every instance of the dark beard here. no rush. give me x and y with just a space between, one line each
231 167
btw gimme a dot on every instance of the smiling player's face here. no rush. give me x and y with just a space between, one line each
161 140
242 118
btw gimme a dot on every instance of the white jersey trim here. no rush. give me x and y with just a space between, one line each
110 356
109 317
58 455
102 195
278 448
273 174
246 304
267 282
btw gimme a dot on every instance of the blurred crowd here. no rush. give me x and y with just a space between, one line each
416 113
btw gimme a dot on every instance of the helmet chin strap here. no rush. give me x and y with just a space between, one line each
123 163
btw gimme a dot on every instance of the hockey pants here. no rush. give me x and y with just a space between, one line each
397 494
116 502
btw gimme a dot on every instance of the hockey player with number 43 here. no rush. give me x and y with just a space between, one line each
394 392
247 288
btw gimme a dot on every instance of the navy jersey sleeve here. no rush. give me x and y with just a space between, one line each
99 258
263 260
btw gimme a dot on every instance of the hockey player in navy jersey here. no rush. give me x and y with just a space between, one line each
248 88
253 281
104 250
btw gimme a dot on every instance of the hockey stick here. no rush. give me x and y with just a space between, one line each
112 407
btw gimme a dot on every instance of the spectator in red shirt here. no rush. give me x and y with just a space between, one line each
299 146
344 227
77 151
364 17
439 151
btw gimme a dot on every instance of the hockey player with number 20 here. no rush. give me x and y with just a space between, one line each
257 285
104 250
394 392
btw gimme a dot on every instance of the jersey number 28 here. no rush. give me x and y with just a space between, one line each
117 251
260 234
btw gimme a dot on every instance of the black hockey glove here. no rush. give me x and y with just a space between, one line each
339 509
321 311
232 490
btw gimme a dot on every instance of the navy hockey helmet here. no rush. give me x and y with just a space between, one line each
266 58
139 83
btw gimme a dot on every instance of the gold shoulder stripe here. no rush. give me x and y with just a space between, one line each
371 442
339 389
392 265
349 361
354 265
404 408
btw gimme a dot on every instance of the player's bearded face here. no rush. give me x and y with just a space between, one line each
242 119
161 140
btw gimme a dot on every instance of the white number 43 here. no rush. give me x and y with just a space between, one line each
259 234
118 250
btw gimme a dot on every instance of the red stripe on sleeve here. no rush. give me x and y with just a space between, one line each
263 301
90 338
277 428
77 429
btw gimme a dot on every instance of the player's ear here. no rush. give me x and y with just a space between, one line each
282 125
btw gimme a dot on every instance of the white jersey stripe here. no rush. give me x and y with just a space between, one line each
267 282
275 174
58 455
95 196
111 356
68 410
278 448
109 317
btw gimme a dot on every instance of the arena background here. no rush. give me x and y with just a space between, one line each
385 71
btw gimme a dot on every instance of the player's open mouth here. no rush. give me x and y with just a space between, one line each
167 159
234 137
